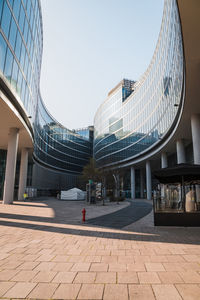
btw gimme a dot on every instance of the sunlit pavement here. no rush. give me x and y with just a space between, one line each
47 253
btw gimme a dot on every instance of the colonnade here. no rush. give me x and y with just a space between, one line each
181 158
11 160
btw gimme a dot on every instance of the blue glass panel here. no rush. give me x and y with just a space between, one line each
15 74
1 6
13 33
19 82
8 65
6 18
22 57
28 7
2 52
11 2
16 8
25 30
18 45
25 2
21 18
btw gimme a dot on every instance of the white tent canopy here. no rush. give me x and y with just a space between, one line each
72 194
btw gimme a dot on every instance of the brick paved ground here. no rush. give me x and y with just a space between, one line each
45 256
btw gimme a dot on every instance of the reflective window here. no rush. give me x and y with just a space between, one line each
13 33
15 74
2 52
21 18
8 65
6 18
16 8
18 45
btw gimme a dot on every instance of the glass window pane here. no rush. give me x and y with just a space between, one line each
23 53
8 65
16 8
21 18
13 33
19 82
6 18
1 6
18 45
15 74
11 2
2 52
25 30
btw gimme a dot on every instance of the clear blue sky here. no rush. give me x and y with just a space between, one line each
89 46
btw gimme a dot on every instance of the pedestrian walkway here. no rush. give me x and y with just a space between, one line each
45 256
124 216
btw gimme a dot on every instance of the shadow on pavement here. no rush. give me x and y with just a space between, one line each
59 224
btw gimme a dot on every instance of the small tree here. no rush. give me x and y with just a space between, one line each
90 171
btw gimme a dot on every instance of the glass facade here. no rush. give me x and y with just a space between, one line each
124 130
21 43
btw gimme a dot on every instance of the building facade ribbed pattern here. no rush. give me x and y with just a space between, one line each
21 43
126 129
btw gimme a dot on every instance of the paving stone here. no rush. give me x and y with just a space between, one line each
60 258
158 258
67 291
190 277
76 258
43 291
99 267
117 267
30 257
109 259
5 286
44 276
170 277
20 290
45 266
80 267
125 259
7 274
136 267
64 277
11 265
151 267
106 277
85 277
127 277
45 257
148 277
30 265
140 292
175 258
189 291
166 291
116 292
91 291
62 267
173 266
93 258
24 275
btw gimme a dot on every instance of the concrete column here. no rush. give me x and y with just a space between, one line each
13 138
164 163
148 180
180 152
23 173
132 183
141 183
195 125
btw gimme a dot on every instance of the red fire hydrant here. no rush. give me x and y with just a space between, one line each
83 213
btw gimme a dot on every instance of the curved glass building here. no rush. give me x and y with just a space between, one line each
57 150
137 116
